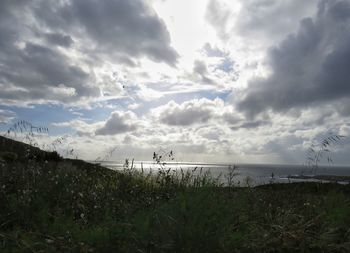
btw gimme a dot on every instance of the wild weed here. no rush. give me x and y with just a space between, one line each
322 150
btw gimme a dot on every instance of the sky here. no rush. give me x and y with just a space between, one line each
246 81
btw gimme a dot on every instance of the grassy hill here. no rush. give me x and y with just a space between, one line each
62 205
14 152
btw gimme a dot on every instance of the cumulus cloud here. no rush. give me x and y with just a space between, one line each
49 51
32 71
79 51
271 19
191 112
36 72
200 70
124 29
227 65
221 65
211 51
117 123
212 133
217 15
309 67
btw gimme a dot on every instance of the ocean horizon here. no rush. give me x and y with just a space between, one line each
244 173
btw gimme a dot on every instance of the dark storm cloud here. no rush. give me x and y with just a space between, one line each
309 67
35 71
33 33
271 19
30 72
116 27
47 66
343 107
59 39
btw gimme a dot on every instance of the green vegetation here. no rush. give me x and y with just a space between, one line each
62 205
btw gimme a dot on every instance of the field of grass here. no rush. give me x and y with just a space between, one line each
73 206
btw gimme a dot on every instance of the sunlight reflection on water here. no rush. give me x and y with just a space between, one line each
252 174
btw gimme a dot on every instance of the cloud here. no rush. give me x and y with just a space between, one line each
211 133
33 71
223 68
217 15
6 116
271 19
201 71
211 51
309 67
227 65
117 123
250 125
53 52
197 111
122 29
36 72
59 39
280 138
231 118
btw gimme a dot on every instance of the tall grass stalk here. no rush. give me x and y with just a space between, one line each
322 150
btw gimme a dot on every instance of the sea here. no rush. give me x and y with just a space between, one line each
240 174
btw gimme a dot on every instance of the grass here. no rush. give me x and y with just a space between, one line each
73 206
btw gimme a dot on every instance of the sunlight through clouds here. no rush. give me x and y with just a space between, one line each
216 80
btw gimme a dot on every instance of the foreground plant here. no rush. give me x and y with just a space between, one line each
322 150
72 206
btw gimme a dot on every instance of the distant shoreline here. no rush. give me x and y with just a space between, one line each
237 165
329 178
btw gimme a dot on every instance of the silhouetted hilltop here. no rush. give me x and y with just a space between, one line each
12 150
16 151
